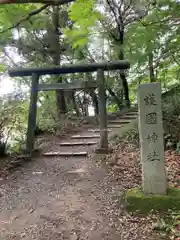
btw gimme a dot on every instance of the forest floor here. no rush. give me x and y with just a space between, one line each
74 198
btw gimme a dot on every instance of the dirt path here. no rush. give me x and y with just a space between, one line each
60 198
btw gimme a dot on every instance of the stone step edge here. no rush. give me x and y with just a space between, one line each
98 130
115 126
85 136
120 121
77 143
66 154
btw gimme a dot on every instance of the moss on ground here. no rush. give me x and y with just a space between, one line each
136 200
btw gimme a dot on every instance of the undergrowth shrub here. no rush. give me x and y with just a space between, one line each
48 120
129 133
13 112
171 120
171 124
54 125
132 134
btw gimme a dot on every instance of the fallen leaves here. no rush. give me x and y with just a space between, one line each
172 161
126 164
126 170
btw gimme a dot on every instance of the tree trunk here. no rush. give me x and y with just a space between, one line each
80 104
122 74
116 99
120 43
85 106
94 101
60 100
86 113
93 94
126 90
151 67
60 97
75 105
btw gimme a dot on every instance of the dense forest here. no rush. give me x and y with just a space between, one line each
147 33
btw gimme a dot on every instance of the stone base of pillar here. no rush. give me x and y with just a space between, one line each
33 153
136 200
103 150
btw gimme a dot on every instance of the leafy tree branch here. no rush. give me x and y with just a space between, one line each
31 14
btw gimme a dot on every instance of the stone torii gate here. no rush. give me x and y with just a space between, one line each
57 70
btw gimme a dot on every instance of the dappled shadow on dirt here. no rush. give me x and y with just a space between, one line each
51 199
74 198
67 198
44 142
58 198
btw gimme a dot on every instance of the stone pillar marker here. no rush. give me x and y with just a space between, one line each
151 139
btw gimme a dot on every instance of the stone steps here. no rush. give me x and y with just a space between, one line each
129 117
119 121
114 126
132 113
65 154
78 143
84 141
97 130
85 136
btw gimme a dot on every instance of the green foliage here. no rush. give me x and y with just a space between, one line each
171 121
128 133
17 144
83 27
12 122
156 33
171 117
46 115
171 104
84 17
2 67
112 108
169 223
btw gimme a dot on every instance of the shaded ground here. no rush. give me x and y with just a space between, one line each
58 198
126 170
67 198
